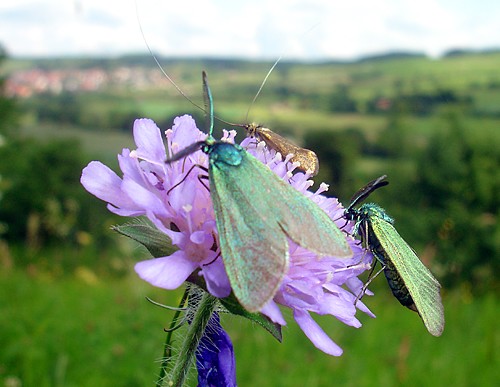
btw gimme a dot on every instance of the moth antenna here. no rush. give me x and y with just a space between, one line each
262 86
270 71
254 98
209 104
158 62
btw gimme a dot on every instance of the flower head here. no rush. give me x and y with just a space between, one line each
175 199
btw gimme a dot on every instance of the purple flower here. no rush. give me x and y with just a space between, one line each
184 214
215 357
174 199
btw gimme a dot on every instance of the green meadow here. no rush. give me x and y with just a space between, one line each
85 330
73 312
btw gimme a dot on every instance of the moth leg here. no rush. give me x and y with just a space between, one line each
361 260
371 277
364 238
362 234
213 260
186 175
201 179
344 226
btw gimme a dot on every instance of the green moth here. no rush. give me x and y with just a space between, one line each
256 212
410 281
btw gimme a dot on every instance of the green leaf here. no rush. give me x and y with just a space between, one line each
234 307
157 243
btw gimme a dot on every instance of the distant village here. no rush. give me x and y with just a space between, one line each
27 83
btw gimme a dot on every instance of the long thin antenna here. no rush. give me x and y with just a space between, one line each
209 104
158 63
262 86
270 71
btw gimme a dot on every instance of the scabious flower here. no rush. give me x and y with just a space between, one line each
176 200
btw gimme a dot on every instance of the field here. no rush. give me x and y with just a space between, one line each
75 314
83 330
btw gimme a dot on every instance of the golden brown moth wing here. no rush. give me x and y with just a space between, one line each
423 287
306 158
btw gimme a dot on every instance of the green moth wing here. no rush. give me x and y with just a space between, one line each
255 213
421 284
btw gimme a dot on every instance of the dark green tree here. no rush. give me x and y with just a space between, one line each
337 153
458 181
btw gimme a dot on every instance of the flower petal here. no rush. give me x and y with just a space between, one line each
216 279
144 198
315 333
185 132
167 272
272 310
105 184
150 145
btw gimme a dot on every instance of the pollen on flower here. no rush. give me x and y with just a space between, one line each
228 135
323 187
277 158
261 146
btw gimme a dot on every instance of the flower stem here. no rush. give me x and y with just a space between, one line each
187 350
167 349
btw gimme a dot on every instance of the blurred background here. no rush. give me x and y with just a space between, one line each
408 89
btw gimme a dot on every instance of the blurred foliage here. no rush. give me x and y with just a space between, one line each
337 152
444 196
41 196
71 108
90 330
42 204
458 178
9 112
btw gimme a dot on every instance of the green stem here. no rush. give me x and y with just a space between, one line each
167 349
192 338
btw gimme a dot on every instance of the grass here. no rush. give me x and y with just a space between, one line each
82 330
72 332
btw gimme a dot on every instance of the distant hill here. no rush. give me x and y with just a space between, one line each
464 52
391 55
145 60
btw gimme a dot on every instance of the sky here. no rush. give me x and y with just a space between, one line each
256 29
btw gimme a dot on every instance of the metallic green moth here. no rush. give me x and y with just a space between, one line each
410 281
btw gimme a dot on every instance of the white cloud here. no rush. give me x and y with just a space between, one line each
253 28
